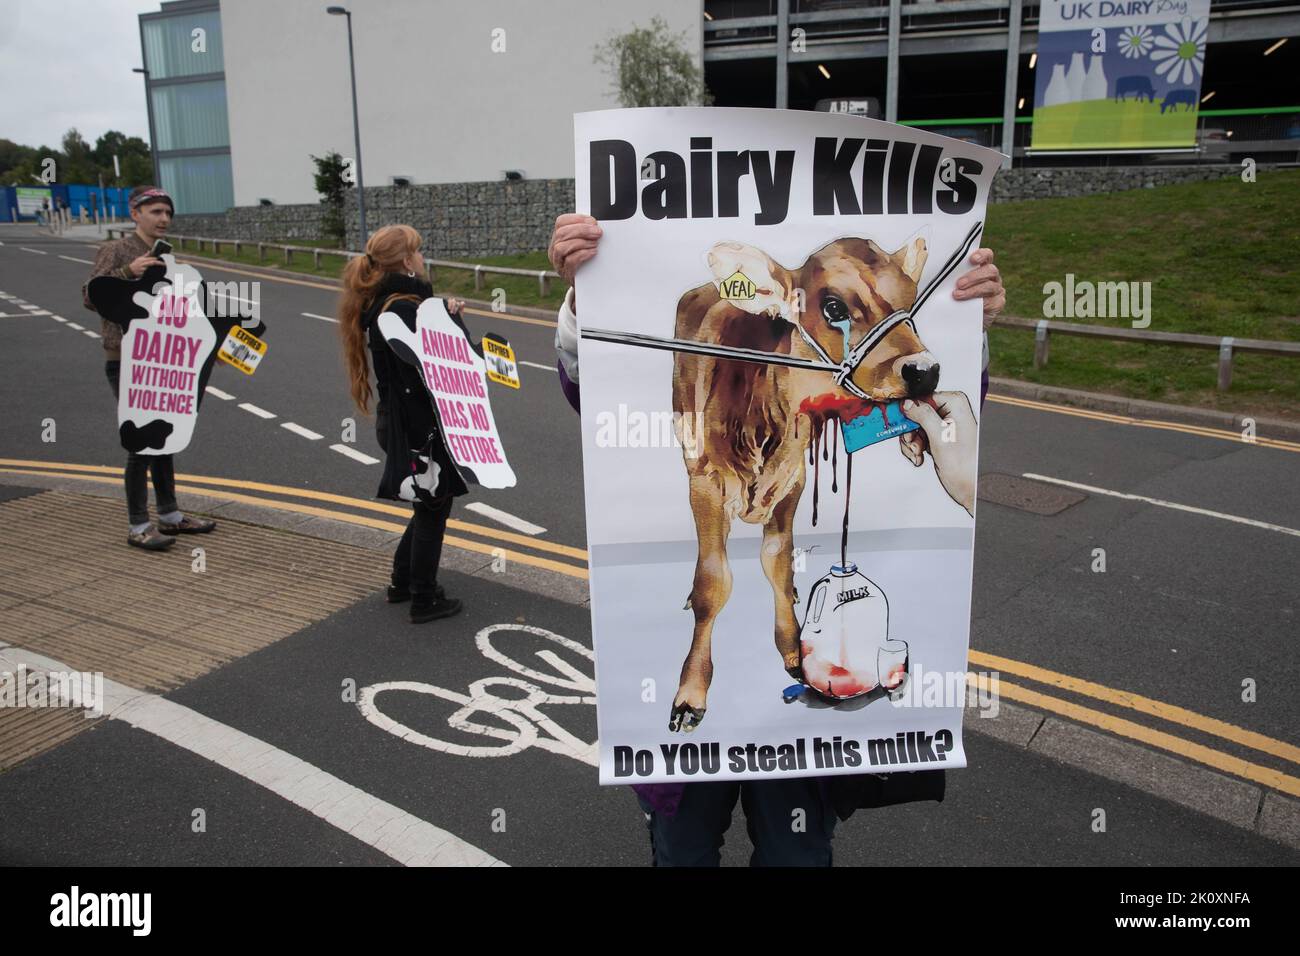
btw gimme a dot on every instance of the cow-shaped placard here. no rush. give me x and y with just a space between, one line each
168 349
455 375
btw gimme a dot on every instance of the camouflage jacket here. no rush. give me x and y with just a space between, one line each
113 259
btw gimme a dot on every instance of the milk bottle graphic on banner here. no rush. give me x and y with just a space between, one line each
845 646
1057 92
1074 79
1094 81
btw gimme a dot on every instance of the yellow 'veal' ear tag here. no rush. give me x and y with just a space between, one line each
737 286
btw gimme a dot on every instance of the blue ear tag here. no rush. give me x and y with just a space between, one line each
792 693
882 422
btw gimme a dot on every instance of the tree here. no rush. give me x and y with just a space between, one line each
77 165
132 154
76 162
331 183
14 158
654 67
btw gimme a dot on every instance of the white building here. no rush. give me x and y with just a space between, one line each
447 90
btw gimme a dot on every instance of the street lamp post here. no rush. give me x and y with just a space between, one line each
356 123
153 136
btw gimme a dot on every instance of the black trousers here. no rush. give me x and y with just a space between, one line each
140 467
790 821
415 565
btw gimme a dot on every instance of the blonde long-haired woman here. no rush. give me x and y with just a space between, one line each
390 277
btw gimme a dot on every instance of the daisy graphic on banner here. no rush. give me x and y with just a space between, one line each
1179 55
1135 42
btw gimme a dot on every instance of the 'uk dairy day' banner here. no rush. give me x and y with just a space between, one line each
780 577
1119 74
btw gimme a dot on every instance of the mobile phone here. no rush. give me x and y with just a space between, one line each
161 247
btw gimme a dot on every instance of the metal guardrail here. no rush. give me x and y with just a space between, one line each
543 276
1227 345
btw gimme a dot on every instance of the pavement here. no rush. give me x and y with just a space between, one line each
265 705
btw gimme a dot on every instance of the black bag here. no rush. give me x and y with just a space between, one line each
869 791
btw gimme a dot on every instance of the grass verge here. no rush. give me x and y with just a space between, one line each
1219 257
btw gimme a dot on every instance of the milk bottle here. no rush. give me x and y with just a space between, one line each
845 645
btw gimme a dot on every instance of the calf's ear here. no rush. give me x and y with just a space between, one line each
772 284
911 256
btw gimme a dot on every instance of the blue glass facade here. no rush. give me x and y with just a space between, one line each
186 84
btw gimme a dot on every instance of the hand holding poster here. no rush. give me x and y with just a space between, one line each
455 375
759 290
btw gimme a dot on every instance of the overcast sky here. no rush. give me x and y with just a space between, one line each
67 63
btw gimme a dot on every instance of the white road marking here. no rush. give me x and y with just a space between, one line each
73 259
521 708
400 835
1166 504
22 315
39 252
31 308
218 393
58 318
74 325
323 318
505 518
93 335
354 454
259 412
299 430
233 298
549 368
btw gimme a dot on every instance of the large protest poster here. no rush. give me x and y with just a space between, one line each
780 579
1119 74
170 342
455 375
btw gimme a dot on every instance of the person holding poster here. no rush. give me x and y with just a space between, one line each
128 258
864 292
390 277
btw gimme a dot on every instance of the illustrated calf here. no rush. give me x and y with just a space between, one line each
746 458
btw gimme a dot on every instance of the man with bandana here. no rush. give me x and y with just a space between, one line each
128 258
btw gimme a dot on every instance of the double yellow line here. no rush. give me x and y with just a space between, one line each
489 541
572 561
1113 419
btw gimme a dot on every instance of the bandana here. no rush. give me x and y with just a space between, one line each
152 195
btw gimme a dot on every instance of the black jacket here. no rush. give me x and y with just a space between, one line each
405 419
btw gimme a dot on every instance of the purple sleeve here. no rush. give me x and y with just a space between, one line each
570 389
984 386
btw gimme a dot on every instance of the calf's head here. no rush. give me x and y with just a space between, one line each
848 286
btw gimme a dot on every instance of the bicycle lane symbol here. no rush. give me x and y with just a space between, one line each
531 727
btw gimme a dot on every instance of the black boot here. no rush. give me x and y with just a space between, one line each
425 608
